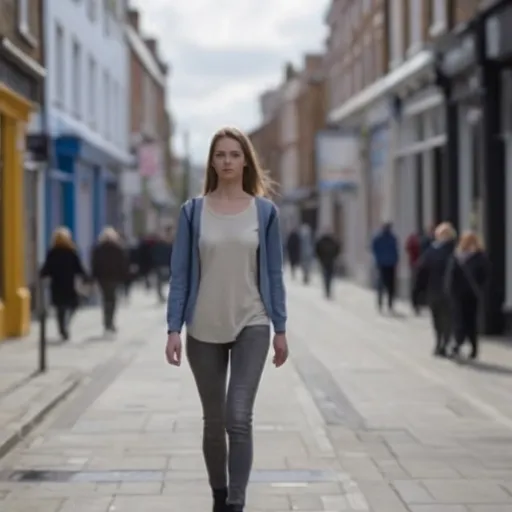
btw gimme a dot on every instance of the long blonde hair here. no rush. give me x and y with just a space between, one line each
445 232
62 238
470 241
109 234
255 181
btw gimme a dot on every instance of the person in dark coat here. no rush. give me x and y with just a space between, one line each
467 277
293 250
327 252
110 266
63 266
386 255
431 273
161 261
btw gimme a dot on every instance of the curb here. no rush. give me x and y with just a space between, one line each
11 439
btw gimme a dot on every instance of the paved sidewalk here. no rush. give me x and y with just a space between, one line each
26 396
363 419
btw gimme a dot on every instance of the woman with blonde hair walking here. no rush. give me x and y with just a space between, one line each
109 264
431 270
468 273
227 287
62 266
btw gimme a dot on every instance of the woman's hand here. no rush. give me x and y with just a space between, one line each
280 350
173 349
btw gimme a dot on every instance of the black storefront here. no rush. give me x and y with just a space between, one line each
471 82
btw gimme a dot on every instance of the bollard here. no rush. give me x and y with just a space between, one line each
42 327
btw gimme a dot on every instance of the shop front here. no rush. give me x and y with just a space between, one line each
499 54
82 191
418 166
19 90
475 152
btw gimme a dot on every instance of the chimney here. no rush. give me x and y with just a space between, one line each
133 18
152 45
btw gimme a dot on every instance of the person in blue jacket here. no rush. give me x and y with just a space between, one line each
386 255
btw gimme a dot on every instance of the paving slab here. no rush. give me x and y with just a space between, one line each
363 418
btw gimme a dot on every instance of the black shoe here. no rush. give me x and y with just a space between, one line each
219 500
234 508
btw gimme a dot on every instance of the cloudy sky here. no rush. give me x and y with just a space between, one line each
223 53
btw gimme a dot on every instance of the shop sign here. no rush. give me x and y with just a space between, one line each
456 60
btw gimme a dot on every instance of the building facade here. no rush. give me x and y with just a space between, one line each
358 114
148 201
474 61
87 93
21 81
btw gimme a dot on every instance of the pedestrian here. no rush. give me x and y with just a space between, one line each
467 276
110 268
161 257
63 267
327 252
227 286
293 250
307 251
413 250
386 256
431 272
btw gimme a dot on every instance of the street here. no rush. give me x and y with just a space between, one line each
362 418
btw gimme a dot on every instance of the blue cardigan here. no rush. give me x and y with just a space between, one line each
186 270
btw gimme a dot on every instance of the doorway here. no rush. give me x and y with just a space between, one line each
439 155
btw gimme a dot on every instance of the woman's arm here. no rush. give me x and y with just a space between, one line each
275 273
179 274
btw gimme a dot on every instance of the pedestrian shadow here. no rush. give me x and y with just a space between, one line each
482 366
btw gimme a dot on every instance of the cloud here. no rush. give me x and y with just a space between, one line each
223 54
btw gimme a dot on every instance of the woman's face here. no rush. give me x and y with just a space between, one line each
228 160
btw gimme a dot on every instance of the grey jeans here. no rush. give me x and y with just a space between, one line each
231 411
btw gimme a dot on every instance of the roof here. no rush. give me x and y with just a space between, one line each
144 54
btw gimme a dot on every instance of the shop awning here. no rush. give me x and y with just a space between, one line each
386 85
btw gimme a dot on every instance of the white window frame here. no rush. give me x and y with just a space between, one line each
439 15
106 103
24 22
396 33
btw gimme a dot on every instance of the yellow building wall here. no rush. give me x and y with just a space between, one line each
15 303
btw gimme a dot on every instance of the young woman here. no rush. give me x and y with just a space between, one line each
467 276
227 287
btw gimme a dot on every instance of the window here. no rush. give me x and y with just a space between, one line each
24 22
60 77
396 28
106 16
148 105
77 79
91 96
438 9
107 99
92 9
415 28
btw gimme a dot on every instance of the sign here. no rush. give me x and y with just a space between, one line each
337 159
37 145
149 159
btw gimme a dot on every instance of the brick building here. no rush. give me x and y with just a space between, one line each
21 78
148 198
285 140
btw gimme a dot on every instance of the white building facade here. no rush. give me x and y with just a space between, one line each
87 93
